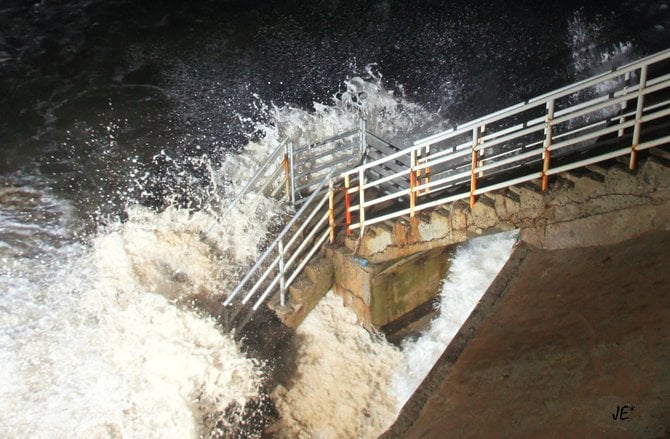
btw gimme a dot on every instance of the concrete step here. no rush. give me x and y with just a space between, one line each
579 174
301 289
320 271
559 182
598 168
661 154
510 195
488 198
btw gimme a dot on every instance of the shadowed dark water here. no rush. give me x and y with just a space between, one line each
108 107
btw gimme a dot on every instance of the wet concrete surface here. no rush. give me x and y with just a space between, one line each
565 343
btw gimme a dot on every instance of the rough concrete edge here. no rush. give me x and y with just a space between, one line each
627 223
414 406
601 229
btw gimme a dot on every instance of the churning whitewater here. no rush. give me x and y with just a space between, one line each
115 176
100 337
352 383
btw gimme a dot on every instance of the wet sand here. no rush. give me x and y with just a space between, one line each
565 343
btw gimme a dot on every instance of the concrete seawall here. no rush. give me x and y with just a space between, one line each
568 342
396 267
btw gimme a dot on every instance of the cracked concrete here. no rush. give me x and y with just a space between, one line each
560 341
571 197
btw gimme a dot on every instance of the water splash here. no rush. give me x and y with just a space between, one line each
475 264
341 383
86 351
351 383
102 338
590 52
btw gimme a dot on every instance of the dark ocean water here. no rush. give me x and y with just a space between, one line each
113 114
86 86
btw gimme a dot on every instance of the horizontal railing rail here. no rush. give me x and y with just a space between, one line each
513 145
367 180
295 245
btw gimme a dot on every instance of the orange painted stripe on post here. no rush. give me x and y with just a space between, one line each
347 204
545 168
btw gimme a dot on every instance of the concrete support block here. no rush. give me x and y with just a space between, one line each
381 293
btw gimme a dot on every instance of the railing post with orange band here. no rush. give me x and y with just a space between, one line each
347 204
473 169
638 118
547 144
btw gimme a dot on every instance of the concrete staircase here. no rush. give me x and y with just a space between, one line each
588 198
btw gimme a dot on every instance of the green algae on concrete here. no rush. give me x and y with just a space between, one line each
382 293
404 285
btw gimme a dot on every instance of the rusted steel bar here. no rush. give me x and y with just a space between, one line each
347 204
287 171
638 118
473 168
547 144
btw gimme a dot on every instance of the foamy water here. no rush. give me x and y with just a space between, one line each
88 352
97 340
342 381
96 335
475 265
351 383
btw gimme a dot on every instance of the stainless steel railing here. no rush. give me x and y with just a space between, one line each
544 136
609 115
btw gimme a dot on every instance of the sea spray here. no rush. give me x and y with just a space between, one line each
349 382
90 353
474 266
340 387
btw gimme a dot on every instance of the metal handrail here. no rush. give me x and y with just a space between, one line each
493 151
257 175
542 99
441 161
277 246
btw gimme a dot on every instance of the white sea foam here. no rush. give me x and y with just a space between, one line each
94 337
88 352
342 378
473 268
350 383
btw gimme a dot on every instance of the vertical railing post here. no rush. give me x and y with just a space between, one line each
362 130
291 161
347 204
286 164
473 168
282 275
427 172
548 129
418 172
481 153
624 104
331 209
638 117
412 183
361 199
